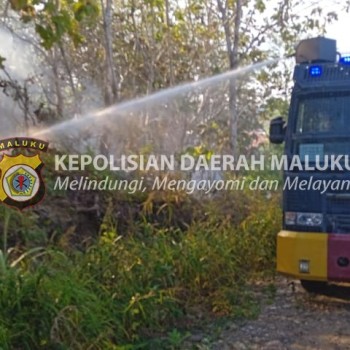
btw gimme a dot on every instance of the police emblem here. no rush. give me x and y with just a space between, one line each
21 184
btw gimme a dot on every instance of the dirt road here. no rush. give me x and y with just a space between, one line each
293 320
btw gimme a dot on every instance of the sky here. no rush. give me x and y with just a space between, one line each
339 31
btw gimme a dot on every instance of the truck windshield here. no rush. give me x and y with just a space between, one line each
324 114
322 125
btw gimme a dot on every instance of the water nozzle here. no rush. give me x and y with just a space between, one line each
318 49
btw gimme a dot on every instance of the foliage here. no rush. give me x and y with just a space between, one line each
158 260
55 19
98 53
139 290
2 60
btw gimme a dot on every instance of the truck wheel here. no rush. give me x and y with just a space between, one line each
317 287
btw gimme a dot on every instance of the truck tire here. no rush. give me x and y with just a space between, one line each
317 287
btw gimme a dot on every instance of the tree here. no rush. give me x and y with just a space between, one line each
102 53
111 93
232 46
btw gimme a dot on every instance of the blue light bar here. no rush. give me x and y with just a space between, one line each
345 60
315 71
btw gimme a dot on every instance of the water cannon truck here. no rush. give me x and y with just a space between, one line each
314 243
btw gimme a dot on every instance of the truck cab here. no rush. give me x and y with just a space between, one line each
314 244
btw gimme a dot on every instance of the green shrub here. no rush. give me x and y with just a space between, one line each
140 290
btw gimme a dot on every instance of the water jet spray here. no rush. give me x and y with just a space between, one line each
153 99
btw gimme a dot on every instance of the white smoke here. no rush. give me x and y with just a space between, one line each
21 63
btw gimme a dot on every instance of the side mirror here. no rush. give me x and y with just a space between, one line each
277 130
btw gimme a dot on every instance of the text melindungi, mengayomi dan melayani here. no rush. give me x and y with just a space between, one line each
75 162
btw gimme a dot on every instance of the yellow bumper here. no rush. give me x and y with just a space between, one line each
295 247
